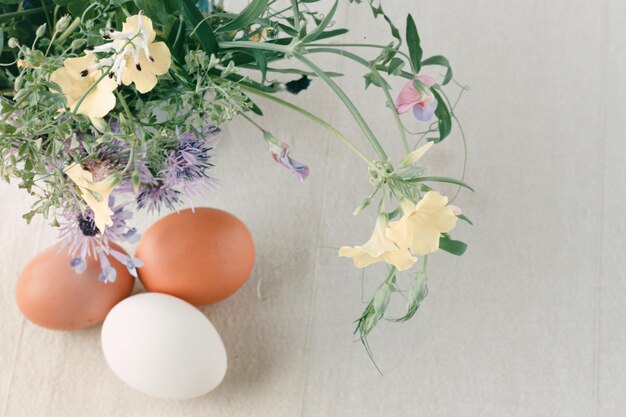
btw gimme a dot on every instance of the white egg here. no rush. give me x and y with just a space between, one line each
163 346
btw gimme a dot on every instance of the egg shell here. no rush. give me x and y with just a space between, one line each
201 256
164 347
52 295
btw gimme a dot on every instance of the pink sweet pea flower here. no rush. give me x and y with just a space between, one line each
423 105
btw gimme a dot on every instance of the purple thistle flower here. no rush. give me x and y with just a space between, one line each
82 239
153 197
185 172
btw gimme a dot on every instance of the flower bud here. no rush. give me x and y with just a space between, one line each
41 30
13 43
63 22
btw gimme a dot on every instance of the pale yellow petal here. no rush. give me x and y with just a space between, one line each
69 86
399 232
401 259
432 200
98 103
425 238
101 211
360 257
162 59
443 219
75 66
131 25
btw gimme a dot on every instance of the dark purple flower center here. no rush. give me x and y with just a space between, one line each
87 226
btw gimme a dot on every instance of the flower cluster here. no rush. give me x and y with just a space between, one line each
111 110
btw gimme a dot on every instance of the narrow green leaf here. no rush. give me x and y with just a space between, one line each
261 62
331 34
247 16
464 218
438 179
443 115
395 65
203 30
443 61
413 42
322 26
455 247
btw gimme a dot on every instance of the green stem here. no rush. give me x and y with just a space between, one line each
347 102
296 14
317 120
320 73
382 85
8 16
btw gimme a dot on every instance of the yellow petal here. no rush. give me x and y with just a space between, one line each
360 257
425 238
95 194
399 233
75 66
401 259
432 200
144 81
131 25
100 101
71 88
162 59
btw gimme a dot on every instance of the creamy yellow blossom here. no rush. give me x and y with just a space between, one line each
379 248
95 194
420 227
74 83
141 59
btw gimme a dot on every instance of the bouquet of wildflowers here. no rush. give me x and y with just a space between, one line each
109 108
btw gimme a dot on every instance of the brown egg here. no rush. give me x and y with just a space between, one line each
52 295
201 256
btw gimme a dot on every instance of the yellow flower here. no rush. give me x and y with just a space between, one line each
378 249
140 59
420 227
74 83
95 194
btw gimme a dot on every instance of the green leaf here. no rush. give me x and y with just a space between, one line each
1 39
203 30
438 179
413 42
464 218
255 109
331 34
322 26
443 61
261 62
395 65
443 115
247 16
455 247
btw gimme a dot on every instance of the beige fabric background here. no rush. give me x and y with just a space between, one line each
530 322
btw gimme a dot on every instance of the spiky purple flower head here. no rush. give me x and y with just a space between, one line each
82 239
185 172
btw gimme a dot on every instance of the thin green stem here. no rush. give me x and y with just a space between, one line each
360 45
320 73
296 14
317 120
382 84
348 103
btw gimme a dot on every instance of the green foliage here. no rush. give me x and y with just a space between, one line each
413 42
